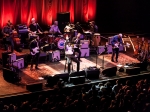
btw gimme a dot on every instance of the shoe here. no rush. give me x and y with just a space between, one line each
112 60
80 60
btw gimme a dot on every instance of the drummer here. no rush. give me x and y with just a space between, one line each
54 30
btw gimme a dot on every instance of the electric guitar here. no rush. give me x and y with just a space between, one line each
35 51
117 44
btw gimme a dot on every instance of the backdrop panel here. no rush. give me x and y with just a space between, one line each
45 11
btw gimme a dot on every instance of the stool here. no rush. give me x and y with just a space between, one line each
68 63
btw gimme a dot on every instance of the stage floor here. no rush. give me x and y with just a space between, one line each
52 68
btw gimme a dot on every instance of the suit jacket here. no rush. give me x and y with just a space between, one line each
116 39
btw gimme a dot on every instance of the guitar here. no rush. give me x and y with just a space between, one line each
117 44
35 51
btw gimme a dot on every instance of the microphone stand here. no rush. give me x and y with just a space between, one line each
39 27
102 58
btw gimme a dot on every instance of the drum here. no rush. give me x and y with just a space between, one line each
61 43
96 39
14 34
17 41
56 40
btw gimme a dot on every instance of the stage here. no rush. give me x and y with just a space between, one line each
48 68
52 68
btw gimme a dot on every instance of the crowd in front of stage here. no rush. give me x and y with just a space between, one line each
105 97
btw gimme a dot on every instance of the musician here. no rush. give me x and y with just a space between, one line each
78 27
35 55
7 36
77 38
72 57
34 28
55 29
116 42
93 27
67 28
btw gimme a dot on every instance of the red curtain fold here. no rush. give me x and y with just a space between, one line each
45 11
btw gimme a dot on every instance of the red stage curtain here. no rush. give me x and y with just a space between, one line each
45 11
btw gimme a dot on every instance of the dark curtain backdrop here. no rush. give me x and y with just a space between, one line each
45 11
123 15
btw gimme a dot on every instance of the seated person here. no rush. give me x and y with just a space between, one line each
55 29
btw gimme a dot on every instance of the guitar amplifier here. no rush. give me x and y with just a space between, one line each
101 49
12 57
84 44
19 63
54 56
109 48
85 52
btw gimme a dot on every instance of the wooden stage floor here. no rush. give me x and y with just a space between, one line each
49 68
52 68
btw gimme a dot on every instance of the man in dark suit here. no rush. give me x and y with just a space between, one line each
35 52
116 42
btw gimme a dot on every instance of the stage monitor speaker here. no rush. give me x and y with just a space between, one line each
143 66
92 73
34 86
52 80
133 70
80 73
64 76
77 80
63 17
11 76
110 71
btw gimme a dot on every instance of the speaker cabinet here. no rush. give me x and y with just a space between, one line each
110 71
64 76
77 80
80 73
34 86
52 80
92 73
63 18
5 58
132 70
11 76
143 66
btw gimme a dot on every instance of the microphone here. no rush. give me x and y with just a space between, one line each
39 26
